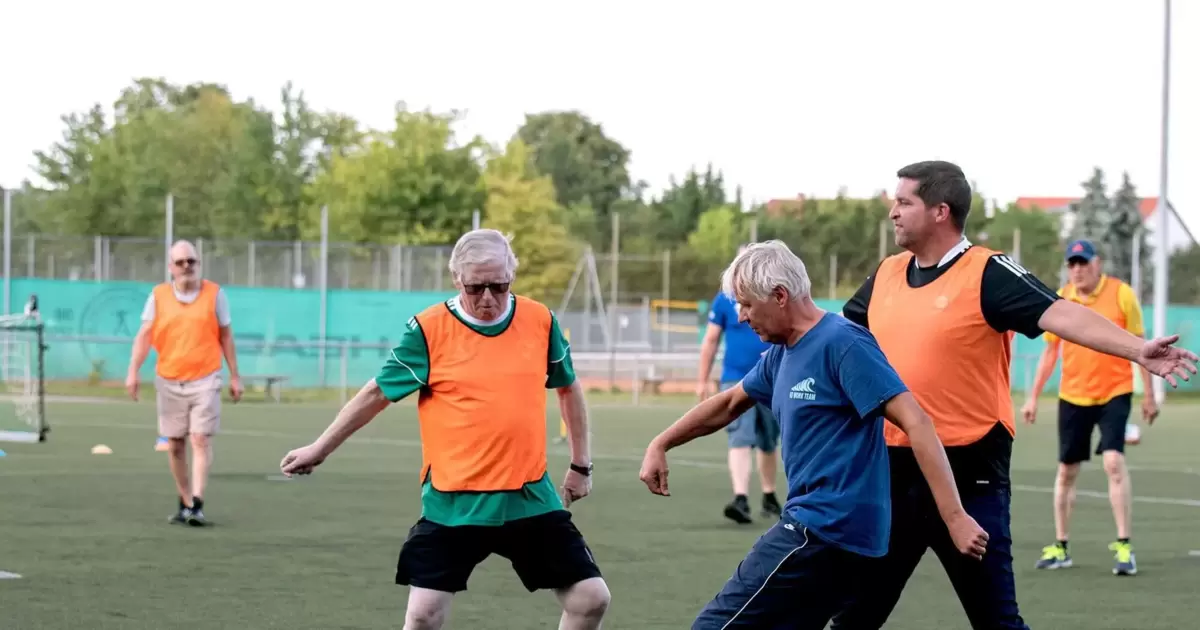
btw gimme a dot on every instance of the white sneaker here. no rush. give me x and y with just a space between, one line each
1133 434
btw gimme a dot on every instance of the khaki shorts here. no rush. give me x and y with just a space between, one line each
189 407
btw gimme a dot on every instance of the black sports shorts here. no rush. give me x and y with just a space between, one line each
546 551
1075 424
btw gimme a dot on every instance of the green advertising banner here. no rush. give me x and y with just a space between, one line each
89 326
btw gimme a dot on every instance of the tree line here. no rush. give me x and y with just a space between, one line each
238 170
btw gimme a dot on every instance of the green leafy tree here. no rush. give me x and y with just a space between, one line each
717 235
218 157
1040 248
677 212
1184 267
413 185
836 238
306 143
590 170
522 204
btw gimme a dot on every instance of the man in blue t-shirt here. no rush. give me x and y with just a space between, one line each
831 387
754 429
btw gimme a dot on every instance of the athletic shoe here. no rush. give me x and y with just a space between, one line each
771 507
738 510
1133 434
1125 562
181 515
1054 557
196 514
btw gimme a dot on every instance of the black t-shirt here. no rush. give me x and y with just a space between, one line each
1012 299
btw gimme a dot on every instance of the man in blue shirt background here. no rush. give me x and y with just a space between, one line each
754 429
831 387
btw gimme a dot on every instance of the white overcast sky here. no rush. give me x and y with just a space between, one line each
785 97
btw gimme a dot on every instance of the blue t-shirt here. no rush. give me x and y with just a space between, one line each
743 347
828 391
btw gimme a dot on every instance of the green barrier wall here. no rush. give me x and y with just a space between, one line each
280 316
1181 320
275 316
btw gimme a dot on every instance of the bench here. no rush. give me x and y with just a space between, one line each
272 383
652 381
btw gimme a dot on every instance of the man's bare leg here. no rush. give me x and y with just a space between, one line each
740 463
177 459
427 609
201 462
584 604
1120 492
1064 498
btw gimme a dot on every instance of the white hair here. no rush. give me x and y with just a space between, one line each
482 247
761 267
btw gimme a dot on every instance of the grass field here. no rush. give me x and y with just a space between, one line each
88 534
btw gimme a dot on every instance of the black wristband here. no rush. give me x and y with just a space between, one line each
586 471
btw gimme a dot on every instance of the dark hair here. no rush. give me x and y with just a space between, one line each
941 182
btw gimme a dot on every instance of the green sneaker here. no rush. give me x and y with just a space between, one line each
1054 557
1126 564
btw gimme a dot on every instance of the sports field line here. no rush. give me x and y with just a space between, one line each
675 461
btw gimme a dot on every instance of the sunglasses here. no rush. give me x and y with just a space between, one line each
186 261
477 289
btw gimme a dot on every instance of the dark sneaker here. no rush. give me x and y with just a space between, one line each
196 515
181 515
771 507
1125 562
738 511
1054 557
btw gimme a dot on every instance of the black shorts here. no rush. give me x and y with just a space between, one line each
1075 424
546 551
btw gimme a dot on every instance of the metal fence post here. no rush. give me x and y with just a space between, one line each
345 370
169 236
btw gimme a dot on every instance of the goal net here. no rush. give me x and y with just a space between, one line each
22 393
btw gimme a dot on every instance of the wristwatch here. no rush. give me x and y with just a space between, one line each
586 471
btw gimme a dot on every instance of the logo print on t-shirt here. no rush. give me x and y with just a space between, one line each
803 390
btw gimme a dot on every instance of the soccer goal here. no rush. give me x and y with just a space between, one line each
23 395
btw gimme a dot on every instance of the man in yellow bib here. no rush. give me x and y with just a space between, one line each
1096 390
187 323
481 363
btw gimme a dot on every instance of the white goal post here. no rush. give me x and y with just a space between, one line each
22 378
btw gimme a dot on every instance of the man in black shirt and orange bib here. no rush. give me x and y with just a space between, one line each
944 313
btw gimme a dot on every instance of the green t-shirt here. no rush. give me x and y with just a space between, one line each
407 371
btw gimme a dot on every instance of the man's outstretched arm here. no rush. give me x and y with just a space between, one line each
1083 326
710 416
706 418
405 371
357 413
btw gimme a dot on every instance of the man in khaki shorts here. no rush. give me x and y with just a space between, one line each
187 323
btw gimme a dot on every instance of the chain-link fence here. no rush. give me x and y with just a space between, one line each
295 264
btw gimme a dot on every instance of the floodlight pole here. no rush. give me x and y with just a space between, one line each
1160 213
7 251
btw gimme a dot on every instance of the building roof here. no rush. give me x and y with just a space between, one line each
1146 205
